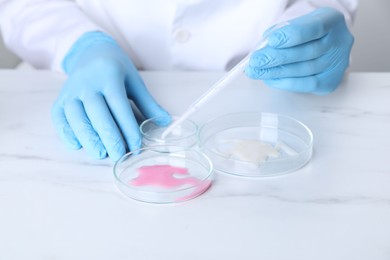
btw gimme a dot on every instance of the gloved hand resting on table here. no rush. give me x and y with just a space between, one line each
93 109
310 55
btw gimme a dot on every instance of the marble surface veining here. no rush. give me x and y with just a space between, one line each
57 203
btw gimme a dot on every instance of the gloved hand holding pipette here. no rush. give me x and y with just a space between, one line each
309 55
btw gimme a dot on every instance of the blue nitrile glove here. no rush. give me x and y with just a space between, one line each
93 109
310 55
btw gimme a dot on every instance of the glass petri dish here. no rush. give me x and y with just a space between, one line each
255 144
184 135
163 174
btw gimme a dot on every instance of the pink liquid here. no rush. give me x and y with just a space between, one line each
165 176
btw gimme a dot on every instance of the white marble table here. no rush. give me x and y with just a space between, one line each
60 204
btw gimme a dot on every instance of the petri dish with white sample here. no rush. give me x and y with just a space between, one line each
163 174
184 135
252 144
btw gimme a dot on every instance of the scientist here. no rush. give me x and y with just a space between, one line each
100 45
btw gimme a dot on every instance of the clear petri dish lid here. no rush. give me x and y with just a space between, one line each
163 174
255 144
183 135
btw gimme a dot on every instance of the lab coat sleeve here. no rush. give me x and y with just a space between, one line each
297 8
42 31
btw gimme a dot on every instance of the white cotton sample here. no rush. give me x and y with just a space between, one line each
252 151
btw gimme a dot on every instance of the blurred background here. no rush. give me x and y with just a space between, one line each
371 52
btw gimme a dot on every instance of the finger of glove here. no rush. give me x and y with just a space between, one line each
103 123
121 110
145 102
306 28
81 126
316 84
298 69
271 57
63 128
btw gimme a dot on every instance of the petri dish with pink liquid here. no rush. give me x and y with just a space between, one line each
254 144
163 174
185 134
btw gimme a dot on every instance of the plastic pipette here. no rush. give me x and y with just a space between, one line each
219 85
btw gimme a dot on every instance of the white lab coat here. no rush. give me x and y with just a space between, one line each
157 34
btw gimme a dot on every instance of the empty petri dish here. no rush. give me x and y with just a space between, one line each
163 174
184 135
255 144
